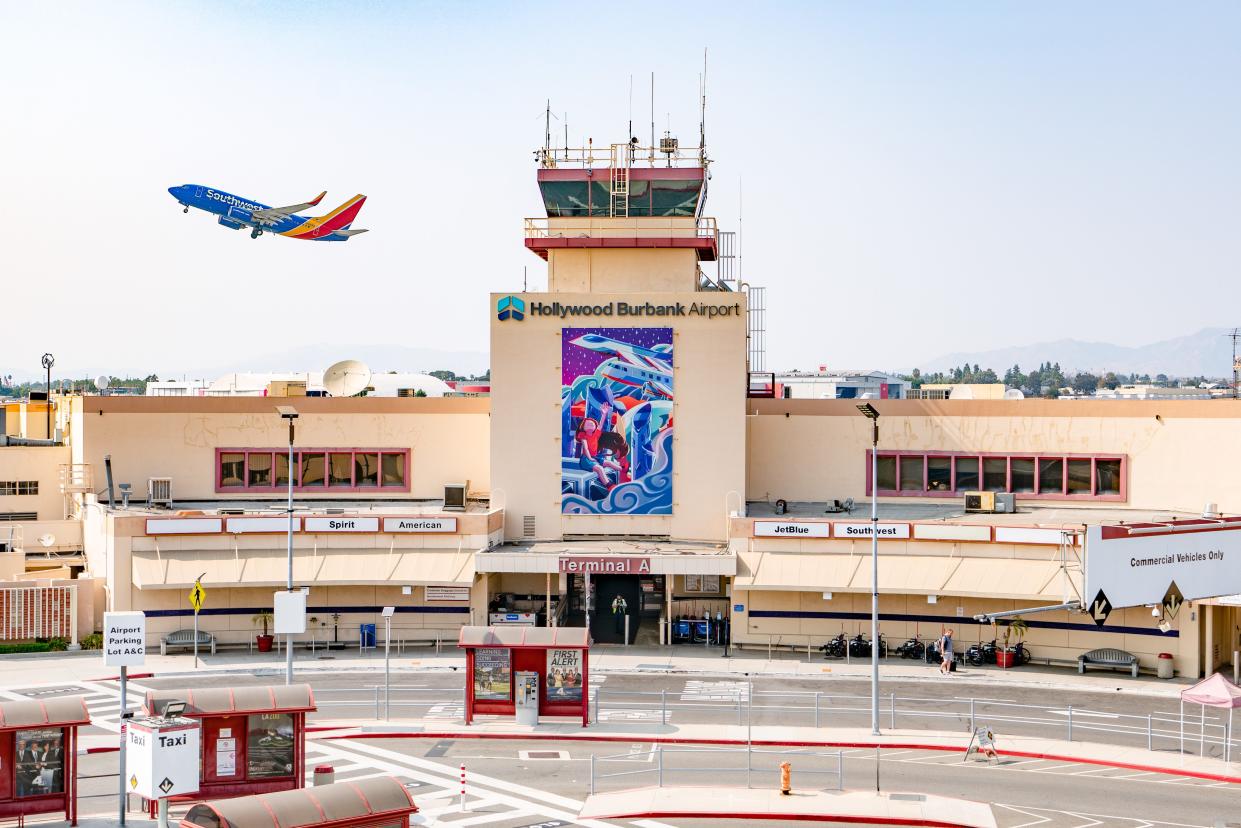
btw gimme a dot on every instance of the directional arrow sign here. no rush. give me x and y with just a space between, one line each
1100 608
166 785
1172 600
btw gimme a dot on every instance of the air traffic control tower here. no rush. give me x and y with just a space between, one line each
618 395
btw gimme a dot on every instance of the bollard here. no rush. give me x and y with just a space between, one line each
892 708
816 708
972 724
1148 732
786 779
463 788
659 757
324 775
1070 722
592 774
663 707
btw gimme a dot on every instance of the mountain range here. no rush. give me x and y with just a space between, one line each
1205 353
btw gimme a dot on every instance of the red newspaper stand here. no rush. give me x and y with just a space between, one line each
381 802
38 757
253 738
497 658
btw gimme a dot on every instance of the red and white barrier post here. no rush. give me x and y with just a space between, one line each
463 788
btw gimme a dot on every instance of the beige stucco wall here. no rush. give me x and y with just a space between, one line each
41 463
177 438
709 383
1182 454
621 271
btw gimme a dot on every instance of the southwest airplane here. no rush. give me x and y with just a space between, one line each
235 212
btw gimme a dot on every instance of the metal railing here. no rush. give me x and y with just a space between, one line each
665 770
371 697
1162 731
11 537
568 227
593 157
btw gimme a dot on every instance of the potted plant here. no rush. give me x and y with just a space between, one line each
1006 656
265 640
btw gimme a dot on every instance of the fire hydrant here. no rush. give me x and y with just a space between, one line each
786 778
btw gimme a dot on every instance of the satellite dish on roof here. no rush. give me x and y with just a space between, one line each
102 382
46 541
346 378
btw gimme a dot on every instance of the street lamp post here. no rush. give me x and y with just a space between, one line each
289 413
871 414
48 362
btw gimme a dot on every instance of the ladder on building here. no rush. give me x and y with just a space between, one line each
622 157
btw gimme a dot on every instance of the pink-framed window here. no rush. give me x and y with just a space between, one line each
266 470
1028 475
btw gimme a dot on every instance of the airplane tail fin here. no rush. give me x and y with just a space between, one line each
343 215
314 201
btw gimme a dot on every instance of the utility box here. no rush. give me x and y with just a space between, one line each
162 757
526 698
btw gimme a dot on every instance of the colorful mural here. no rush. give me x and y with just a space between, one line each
616 421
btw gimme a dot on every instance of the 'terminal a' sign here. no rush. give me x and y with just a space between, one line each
606 565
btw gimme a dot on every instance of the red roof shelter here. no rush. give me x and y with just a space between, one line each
560 655
38 756
381 802
253 738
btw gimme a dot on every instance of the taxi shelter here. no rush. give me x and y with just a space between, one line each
381 802
38 756
253 738
494 655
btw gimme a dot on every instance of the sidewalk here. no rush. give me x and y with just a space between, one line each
46 669
1031 747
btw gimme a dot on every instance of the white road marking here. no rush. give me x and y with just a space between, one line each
1038 820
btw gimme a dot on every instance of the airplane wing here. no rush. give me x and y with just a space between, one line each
272 215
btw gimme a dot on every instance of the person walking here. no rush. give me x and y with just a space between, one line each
945 652
619 609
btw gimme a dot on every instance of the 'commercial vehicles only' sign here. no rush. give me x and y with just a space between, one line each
1135 566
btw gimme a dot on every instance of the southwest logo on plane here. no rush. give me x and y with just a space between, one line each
235 213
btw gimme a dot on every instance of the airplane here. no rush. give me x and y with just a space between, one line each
235 213
657 360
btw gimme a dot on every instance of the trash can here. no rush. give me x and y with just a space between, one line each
1165 665
366 636
324 775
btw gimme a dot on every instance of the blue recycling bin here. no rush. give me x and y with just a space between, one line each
366 636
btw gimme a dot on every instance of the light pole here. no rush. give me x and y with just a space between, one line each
871 414
48 362
289 413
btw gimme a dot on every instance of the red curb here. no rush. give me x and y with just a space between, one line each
88 751
630 739
851 819
130 676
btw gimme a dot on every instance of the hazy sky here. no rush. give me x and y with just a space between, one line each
918 178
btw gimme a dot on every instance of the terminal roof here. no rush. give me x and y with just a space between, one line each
1027 514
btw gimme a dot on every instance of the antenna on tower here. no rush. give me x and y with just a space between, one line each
629 134
652 159
547 132
702 113
1236 366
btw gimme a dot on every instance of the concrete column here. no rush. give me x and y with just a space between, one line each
1208 643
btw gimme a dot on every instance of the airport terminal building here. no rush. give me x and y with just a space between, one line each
626 449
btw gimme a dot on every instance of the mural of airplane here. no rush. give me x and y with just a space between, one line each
236 212
633 354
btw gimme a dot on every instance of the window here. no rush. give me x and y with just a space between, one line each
944 474
1079 477
19 487
967 474
267 470
366 469
40 762
887 472
911 473
269 745
258 470
1050 475
1107 477
1022 471
995 474
393 469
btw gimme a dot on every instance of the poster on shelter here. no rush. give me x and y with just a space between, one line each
492 674
40 761
616 421
564 675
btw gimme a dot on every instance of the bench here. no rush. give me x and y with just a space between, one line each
1110 658
185 638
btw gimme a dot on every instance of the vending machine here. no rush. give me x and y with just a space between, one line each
526 697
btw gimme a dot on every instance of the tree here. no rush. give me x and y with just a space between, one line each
1084 383
1109 380
446 376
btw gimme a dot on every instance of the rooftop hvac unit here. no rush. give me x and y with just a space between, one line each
454 496
991 502
159 491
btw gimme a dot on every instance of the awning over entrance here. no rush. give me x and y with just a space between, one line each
231 701
1017 578
327 567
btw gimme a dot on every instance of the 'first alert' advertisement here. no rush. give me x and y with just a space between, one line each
1135 565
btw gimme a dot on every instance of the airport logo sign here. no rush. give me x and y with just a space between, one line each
511 307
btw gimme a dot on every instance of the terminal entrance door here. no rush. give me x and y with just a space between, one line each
644 600
608 626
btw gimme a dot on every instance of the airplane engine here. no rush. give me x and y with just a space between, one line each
232 225
238 215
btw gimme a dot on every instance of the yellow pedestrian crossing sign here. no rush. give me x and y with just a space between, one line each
197 596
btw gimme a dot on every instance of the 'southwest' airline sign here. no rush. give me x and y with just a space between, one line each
606 565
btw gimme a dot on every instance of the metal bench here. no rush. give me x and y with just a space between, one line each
185 638
1110 658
